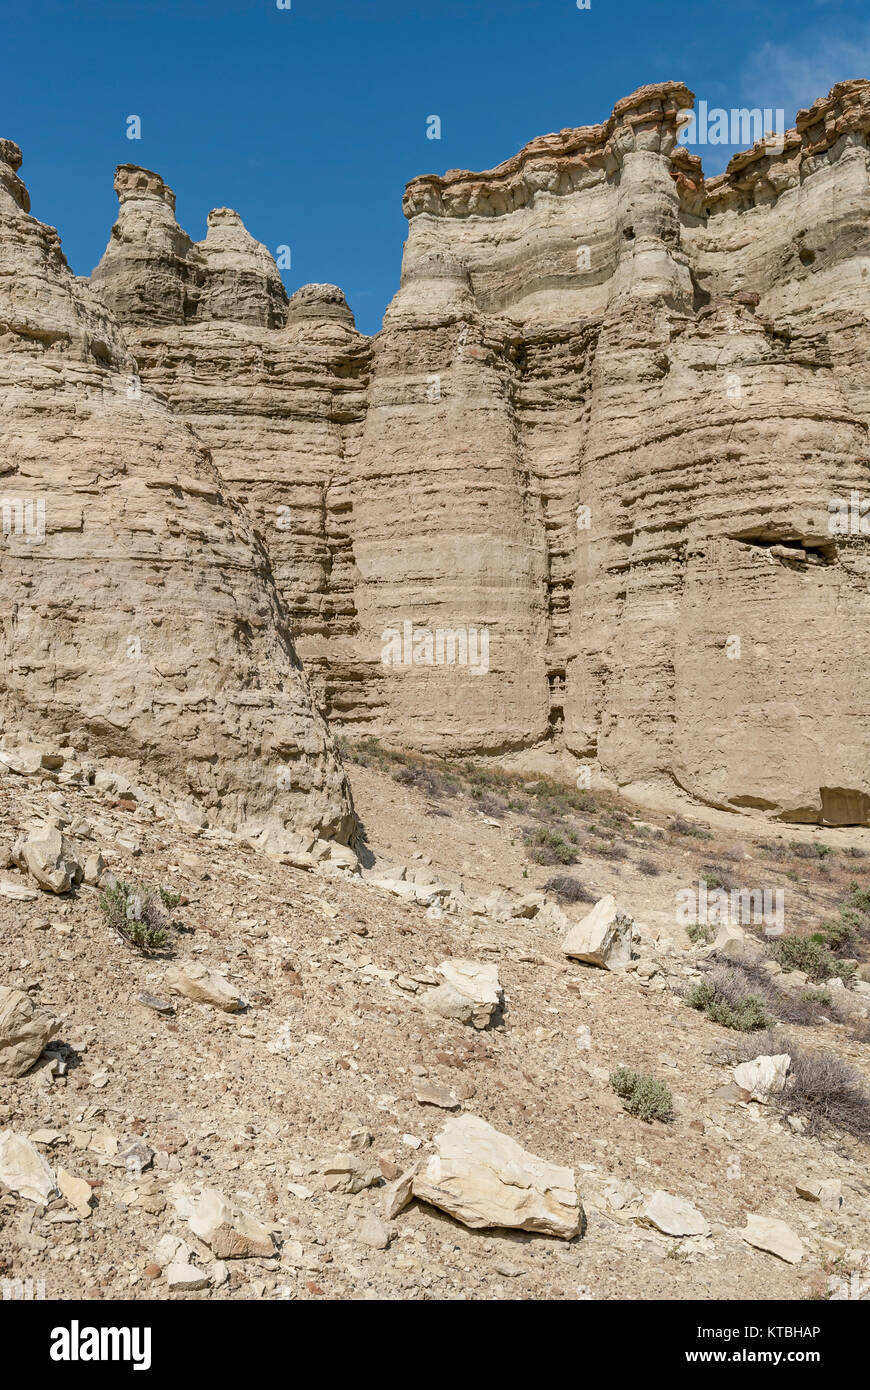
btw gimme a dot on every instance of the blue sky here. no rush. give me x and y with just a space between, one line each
309 121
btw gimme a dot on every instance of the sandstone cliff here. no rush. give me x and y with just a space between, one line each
140 616
578 492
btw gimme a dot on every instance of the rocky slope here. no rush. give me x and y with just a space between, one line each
232 1116
605 424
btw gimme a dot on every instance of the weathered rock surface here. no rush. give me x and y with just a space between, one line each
775 1236
141 617
580 337
49 859
196 981
631 398
603 937
471 992
484 1178
763 1077
24 1032
674 1216
23 1169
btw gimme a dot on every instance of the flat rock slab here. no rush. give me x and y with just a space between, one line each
484 1178
674 1216
770 1234
195 981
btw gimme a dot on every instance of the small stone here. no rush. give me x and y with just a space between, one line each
397 1194
374 1232
186 1278
432 1093
153 1001
75 1191
827 1191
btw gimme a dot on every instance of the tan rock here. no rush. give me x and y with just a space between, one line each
484 1178
827 1191
185 1278
17 892
471 992
674 1216
24 1032
374 1232
75 1191
196 981
397 1194
603 937
433 1093
48 857
228 1230
23 1169
770 1234
764 1076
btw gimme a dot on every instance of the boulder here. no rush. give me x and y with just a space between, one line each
827 1191
763 1077
774 1236
734 943
230 1232
485 1179
603 937
471 992
23 1169
24 1032
48 857
673 1216
196 981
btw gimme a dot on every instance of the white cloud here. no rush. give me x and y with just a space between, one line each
793 74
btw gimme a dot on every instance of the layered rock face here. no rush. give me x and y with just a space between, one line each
275 388
582 490
689 390
140 615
